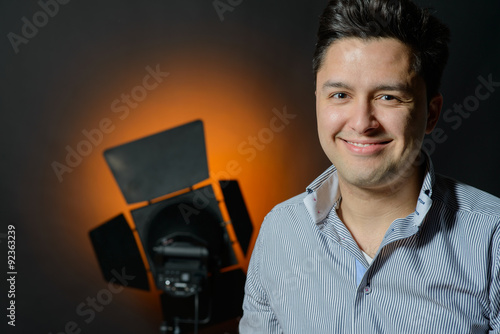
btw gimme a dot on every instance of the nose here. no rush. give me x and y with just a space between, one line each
362 118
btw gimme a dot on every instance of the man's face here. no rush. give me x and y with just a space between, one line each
372 110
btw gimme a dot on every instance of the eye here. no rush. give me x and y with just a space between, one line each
339 96
388 98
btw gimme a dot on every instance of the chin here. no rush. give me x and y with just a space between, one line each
367 178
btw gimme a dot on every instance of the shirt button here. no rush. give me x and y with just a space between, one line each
367 290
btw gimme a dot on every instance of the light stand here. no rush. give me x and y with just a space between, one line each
183 237
182 270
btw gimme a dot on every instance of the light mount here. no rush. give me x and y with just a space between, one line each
186 245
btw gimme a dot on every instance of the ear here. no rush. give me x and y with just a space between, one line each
433 111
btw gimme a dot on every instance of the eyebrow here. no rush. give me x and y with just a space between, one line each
398 87
394 87
335 84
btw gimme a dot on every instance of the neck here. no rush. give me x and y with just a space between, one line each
368 212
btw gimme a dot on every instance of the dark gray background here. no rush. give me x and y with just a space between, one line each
89 45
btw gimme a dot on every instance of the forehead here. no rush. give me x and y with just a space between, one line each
371 59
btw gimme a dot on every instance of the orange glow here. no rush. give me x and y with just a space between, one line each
233 105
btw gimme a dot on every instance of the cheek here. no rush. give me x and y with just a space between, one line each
417 125
409 129
329 121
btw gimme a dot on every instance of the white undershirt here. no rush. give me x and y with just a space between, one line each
369 259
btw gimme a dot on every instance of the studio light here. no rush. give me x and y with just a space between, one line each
183 237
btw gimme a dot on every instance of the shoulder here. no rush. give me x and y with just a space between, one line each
290 203
458 196
287 213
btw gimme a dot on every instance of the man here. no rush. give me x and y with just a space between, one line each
379 243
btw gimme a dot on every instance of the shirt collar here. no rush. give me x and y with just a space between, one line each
323 193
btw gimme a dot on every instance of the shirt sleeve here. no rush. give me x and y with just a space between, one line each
258 316
495 284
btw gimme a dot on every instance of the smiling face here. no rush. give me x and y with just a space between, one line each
372 110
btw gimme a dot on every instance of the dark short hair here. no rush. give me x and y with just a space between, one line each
427 37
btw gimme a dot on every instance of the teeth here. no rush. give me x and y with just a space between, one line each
360 145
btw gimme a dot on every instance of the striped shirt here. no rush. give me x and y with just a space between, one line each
437 270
